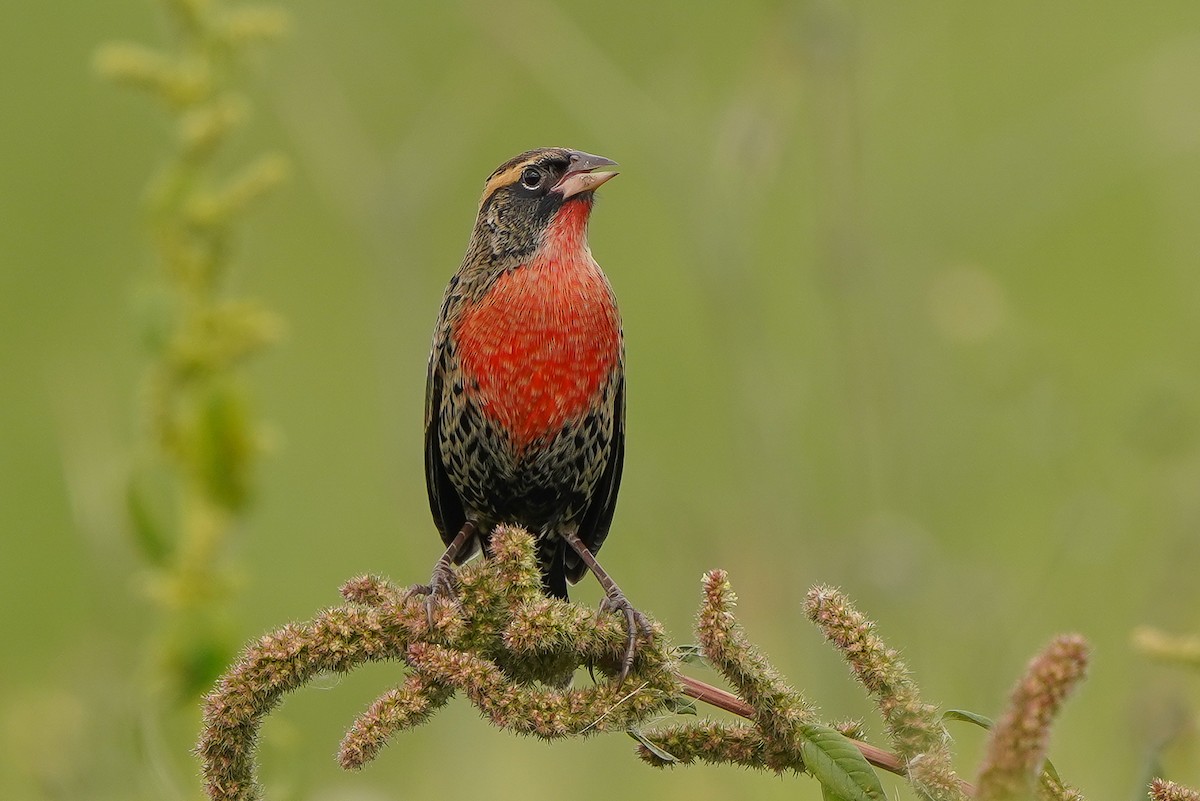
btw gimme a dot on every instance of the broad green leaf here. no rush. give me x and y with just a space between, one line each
838 765
829 795
658 751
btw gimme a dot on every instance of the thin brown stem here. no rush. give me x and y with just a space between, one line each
723 699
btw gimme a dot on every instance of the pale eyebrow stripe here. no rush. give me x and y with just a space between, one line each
503 179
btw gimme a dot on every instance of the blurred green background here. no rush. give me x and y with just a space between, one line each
910 295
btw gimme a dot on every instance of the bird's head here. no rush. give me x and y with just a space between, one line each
526 193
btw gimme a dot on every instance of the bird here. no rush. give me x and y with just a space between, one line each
525 391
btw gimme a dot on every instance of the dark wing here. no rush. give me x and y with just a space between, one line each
447 507
597 518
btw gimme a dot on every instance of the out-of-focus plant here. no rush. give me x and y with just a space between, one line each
508 649
193 479
1181 650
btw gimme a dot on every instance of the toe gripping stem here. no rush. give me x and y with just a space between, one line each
615 601
441 583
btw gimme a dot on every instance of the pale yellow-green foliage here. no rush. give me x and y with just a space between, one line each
198 414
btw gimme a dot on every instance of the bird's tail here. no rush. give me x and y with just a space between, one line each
551 557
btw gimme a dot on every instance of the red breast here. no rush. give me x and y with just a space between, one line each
539 346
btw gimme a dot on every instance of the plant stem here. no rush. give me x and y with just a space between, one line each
723 699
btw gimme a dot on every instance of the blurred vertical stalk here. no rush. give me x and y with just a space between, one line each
193 482
854 285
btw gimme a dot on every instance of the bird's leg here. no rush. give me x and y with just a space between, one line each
614 601
441 583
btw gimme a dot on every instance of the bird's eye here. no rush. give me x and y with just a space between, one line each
531 178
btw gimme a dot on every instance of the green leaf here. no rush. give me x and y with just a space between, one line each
829 795
224 447
658 751
143 502
985 722
681 706
969 717
838 765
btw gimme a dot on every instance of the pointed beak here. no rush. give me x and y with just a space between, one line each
580 175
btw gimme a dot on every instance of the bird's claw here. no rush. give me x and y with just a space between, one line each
442 584
635 624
